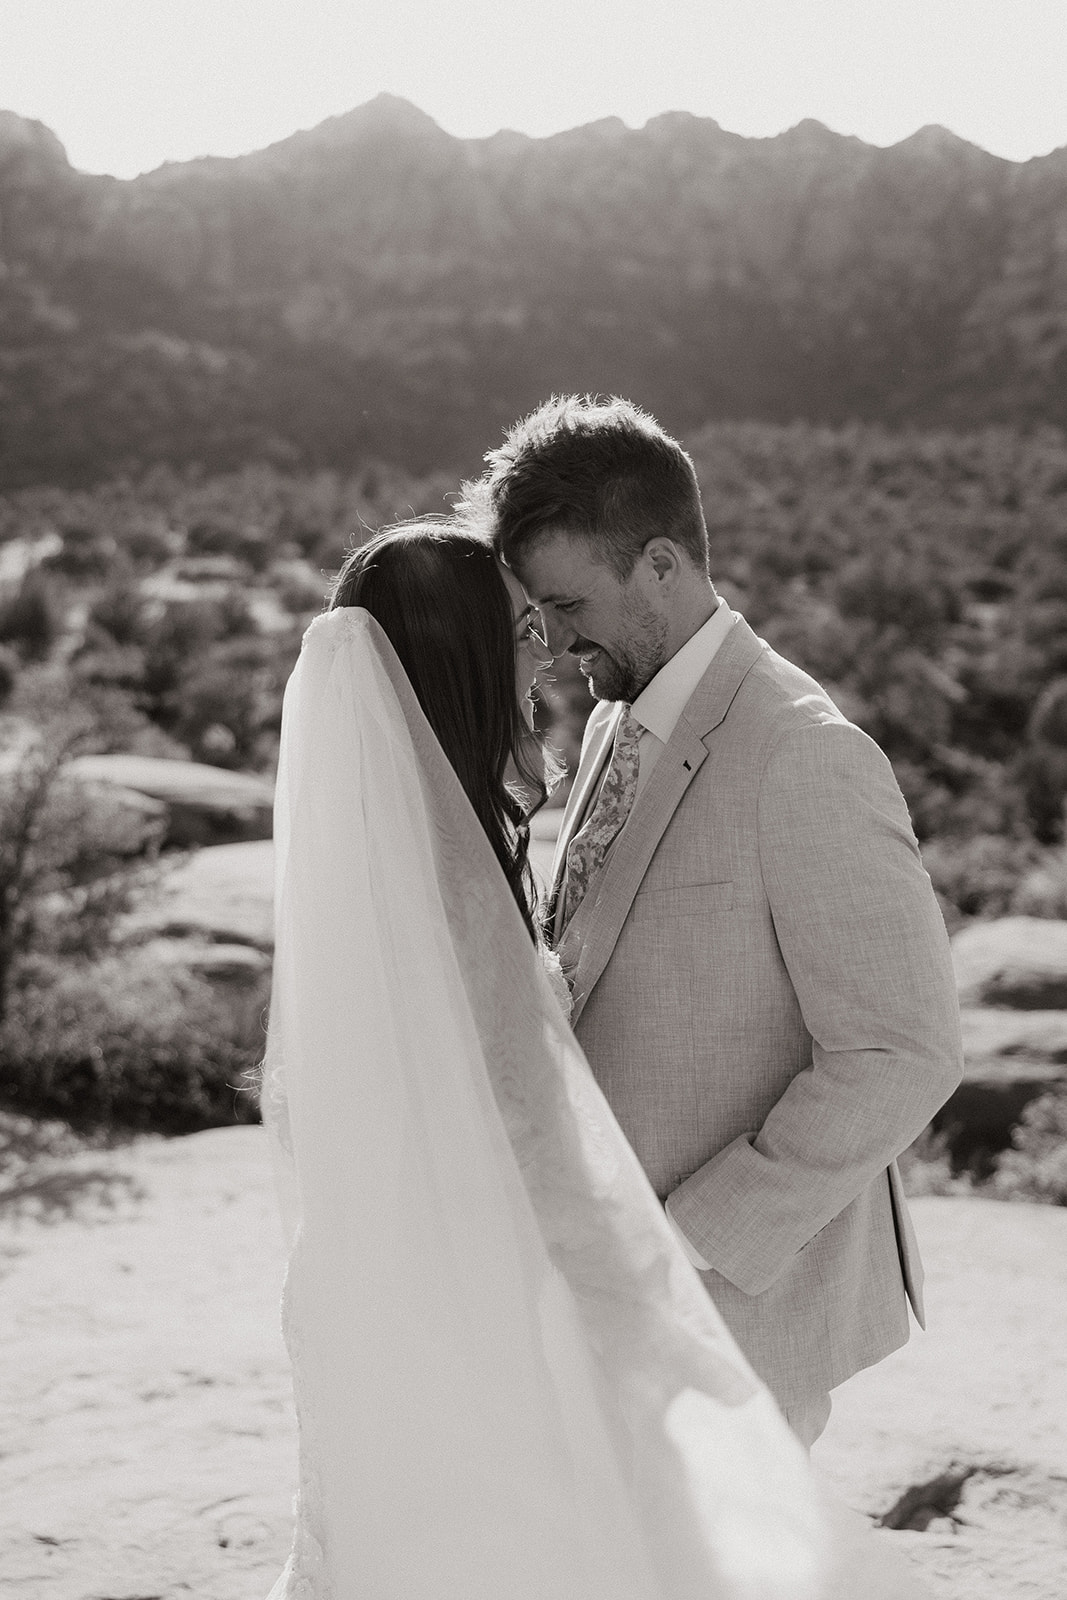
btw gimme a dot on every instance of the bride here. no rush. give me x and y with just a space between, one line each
510 1384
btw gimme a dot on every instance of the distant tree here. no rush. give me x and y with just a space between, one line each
1042 765
71 861
87 553
922 576
9 671
1035 1168
118 612
1048 722
228 698
30 619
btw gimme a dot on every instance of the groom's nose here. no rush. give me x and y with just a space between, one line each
558 633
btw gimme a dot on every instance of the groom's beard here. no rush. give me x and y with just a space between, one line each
621 674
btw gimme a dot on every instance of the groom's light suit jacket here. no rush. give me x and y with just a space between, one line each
763 988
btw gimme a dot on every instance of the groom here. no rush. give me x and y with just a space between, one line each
761 975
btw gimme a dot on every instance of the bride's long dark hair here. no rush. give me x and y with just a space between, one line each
436 590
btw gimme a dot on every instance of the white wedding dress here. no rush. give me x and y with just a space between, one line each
510 1384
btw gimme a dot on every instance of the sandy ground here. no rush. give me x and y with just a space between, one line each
963 1432
148 1440
147 1444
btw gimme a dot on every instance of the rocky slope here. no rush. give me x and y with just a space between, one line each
374 286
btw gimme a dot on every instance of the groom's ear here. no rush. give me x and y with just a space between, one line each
662 560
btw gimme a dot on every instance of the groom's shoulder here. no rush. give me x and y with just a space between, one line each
790 729
784 725
783 697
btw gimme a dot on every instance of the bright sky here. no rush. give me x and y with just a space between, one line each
127 84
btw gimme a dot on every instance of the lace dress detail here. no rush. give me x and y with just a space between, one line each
305 1576
557 980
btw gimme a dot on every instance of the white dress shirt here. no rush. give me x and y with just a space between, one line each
661 702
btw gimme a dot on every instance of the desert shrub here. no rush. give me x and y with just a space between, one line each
118 615
300 590
9 671
30 621
228 699
128 1044
190 668
927 1167
101 682
1043 890
72 860
921 577
979 876
87 553
1041 773
1036 1166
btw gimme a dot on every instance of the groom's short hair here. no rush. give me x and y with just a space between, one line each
601 470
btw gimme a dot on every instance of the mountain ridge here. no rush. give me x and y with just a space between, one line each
400 110
376 287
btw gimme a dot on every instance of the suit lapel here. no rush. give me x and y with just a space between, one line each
593 932
589 772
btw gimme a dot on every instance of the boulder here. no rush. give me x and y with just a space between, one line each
226 966
993 1034
1012 978
204 805
1019 962
222 895
1011 1055
977 1120
140 815
230 966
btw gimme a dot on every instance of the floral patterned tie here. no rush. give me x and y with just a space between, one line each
587 849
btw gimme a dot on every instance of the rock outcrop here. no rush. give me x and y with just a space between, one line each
203 805
223 895
1012 977
1019 962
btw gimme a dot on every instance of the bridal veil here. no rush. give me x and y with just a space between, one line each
510 1384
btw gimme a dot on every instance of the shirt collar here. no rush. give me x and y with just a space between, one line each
662 701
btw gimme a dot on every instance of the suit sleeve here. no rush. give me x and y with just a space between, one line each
865 946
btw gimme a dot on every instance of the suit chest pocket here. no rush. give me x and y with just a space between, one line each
684 900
